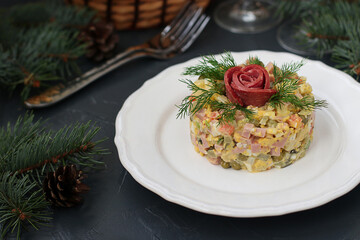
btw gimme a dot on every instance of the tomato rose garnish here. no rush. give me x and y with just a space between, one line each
249 85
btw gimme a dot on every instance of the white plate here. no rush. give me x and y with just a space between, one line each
155 148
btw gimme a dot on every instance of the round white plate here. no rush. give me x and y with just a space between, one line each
155 148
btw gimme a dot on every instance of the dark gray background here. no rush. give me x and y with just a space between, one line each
117 207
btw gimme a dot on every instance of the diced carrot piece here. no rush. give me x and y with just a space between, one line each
295 121
226 129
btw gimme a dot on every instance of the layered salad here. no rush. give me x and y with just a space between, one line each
250 116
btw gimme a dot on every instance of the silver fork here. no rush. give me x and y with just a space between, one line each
175 38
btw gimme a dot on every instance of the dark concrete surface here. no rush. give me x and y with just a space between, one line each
117 207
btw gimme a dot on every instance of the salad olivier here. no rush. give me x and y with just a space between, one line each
249 116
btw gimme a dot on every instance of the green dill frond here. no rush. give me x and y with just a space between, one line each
285 94
200 97
287 70
286 83
228 111
210 67
255 60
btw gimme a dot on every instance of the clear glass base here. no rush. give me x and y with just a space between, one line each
244 16
289 35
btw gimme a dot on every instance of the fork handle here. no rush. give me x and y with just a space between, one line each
61 91
111 62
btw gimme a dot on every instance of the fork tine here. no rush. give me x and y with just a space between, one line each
187 25
183 20
195 32
187 37
177 18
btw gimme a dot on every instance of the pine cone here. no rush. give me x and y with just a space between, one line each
63 187
101 40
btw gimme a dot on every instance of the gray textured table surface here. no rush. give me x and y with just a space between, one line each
117 207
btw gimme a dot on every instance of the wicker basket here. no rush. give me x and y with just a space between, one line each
136 14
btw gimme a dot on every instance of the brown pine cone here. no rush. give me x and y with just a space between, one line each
101 39
63 188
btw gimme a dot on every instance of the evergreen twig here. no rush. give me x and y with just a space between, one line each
40 45
346 54
329 26
28 151
22 204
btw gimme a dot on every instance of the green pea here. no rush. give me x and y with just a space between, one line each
263 157
235 165
225 164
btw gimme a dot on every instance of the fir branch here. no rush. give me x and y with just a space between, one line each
346 54
210 67
40 46
50 149
322 22
50 11
296 8
329 37
24 131
55 159
28 151
63 52
21 205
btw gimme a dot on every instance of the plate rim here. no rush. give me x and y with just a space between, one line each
222 210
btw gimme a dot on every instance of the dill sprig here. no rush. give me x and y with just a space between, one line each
286 84
210 67
285 94
200 97
255 60
213 70
287 71
228 111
